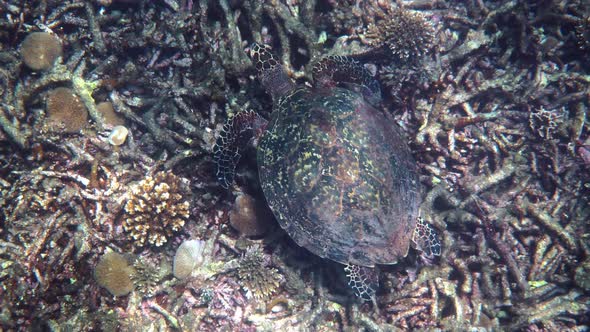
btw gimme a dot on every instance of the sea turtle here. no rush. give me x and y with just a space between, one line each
336 172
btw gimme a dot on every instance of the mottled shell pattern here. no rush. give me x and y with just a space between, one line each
339 176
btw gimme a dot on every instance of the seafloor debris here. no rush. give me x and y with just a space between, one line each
494 100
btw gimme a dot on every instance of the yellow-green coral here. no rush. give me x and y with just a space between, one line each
156 209
255 275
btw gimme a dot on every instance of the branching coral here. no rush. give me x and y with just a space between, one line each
157 207
255 274
148 275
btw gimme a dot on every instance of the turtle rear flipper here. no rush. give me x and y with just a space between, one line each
363 280
341 70
426 239
236 133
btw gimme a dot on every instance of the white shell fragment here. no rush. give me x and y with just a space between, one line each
118 135
188 255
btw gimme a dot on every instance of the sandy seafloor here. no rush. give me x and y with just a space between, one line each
109 115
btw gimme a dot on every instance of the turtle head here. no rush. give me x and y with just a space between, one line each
271 73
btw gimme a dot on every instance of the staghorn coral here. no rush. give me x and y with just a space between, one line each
157 208
545 123
255 275
582 275
582 30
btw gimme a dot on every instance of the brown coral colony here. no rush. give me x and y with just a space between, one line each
113 272
65 111
40 50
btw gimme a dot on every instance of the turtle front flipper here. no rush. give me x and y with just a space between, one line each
236 133
272 75
426 239
363 280
333 70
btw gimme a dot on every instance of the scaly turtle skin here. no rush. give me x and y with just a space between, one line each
336 172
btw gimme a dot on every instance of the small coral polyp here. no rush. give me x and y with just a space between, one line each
156 209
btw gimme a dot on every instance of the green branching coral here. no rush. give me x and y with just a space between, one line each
156 209
255 275
148 275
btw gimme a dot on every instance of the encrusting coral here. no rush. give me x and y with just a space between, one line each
65 111
108 112
157 208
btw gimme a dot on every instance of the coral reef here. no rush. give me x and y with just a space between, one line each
493 96
157 207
